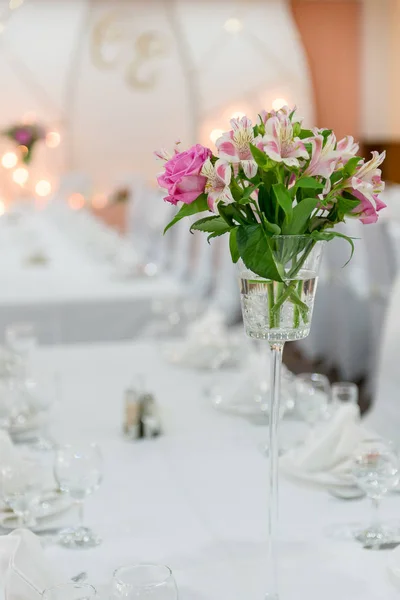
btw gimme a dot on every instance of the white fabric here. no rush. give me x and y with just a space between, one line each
326 456
25 571
195 498
76 296
384 415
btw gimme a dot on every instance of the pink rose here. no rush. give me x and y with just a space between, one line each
182 177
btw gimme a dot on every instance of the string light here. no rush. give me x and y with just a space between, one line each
233 25
53 139
278 103
215 134
43 188
238 115
99 201
76 201
9 160
20 175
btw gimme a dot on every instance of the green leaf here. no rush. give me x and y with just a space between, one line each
310 183
350 167
305 133
233 247
212 225
325 134
284 200
301 215
346 205
215 234
254 248
247 193
336 176
236 190
327 236
259 156
199 205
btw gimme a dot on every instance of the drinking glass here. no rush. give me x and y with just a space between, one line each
21 339
78 471
376 471
344 391
144 581
70 591
312 397
21 487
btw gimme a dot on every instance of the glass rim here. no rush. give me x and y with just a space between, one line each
139 565
68 585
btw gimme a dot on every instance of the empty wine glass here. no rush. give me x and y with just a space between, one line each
21 487
312 397
78 471
344 391
21 339
144 581
376 471
70 591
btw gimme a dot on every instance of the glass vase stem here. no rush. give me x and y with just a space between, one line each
273 455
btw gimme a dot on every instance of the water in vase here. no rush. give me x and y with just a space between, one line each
278 311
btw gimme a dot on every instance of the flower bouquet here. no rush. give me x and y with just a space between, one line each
278 190
26 135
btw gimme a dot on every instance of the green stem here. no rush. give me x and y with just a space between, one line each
296 314
279 292
271 301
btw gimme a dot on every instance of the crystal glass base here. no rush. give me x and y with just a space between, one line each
278 335
78 537
375 536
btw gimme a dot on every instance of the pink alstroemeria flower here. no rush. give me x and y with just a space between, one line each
285 111
365 185
234 146
323 156
279 143
218 180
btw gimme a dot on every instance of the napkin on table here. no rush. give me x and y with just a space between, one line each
24 570
326 456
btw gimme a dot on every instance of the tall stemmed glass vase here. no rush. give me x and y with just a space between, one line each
280 312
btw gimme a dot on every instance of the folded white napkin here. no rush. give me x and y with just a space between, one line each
24 570
326 456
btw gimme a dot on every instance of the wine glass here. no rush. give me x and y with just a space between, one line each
144 581
376 470
344 392
21 340
70 591
312 397
21 487
78 471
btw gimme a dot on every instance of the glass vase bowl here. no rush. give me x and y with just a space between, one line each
282 311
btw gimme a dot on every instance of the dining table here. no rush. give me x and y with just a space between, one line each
195 497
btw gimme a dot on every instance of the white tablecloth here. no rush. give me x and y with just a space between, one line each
195 498
73 297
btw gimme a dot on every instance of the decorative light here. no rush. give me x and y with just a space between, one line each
23 149
53 139
43 187
233 25
9 160
278 103
13 4
238 115
215 134
20 175
76 201
99 201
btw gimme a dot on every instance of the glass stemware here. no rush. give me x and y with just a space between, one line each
21 339
21 487
312 397
144 581
78 471
70 591
376 471
344 391
279 312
